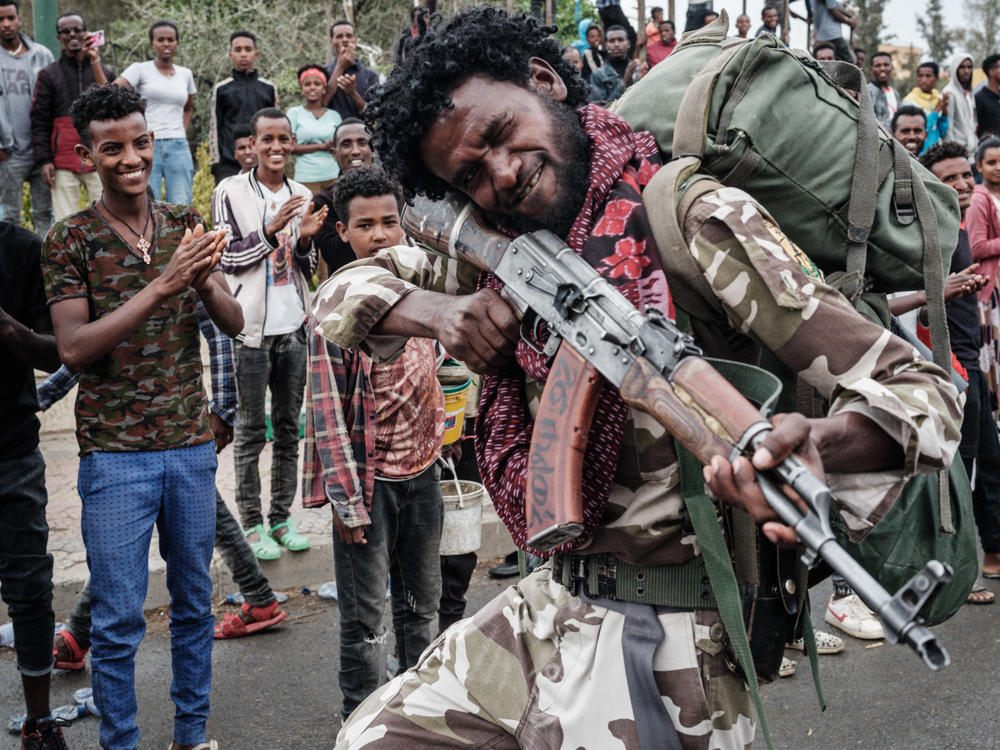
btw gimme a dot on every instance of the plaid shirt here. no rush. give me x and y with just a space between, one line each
338 461
220 349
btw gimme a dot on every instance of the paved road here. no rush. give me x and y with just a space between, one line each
279 689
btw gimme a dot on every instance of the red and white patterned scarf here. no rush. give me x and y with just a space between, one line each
611 232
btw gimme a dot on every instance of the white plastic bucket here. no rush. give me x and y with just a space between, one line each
462 531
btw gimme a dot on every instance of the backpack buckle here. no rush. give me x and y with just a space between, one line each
904 213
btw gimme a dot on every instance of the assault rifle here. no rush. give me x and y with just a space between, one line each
595 331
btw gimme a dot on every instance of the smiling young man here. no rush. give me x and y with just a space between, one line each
20 60
235 100
352 150
909 127
884 97
52 135
124 280
267 264
373 435
980 449
486 107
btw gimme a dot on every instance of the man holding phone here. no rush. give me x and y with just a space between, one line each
53 137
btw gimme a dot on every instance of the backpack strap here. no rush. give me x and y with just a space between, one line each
687 284
714 32
715 553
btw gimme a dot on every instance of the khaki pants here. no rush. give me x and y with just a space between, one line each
66 191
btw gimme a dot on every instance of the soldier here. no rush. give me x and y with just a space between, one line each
486 106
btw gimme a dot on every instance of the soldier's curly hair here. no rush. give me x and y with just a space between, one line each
107 102
430 66
943 150
364 182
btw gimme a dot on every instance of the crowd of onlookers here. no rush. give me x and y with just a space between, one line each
373 432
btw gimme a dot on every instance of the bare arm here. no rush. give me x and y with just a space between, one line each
188 110
35 347
221 306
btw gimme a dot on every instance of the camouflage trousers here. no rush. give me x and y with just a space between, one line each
540 668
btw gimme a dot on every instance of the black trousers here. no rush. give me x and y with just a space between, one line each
981 448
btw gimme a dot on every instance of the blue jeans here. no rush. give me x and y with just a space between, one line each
124 495
279 365
173 164
235 550
25 566
13 174
404 539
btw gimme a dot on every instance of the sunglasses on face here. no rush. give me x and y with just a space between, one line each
73 30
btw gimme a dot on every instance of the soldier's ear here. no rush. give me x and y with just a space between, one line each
85 155
543 79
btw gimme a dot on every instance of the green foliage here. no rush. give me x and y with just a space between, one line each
982 29
286 39
204 184
940 39
565 17
870 32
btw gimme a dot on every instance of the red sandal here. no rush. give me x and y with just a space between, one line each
263 617
74 662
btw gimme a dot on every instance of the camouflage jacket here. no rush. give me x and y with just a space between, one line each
769 298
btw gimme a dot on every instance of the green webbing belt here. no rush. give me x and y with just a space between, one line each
715 553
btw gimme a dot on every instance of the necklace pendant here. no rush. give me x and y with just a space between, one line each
143 247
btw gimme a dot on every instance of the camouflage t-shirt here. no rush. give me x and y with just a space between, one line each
147 393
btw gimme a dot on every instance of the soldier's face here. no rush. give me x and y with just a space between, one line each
516 151
121 151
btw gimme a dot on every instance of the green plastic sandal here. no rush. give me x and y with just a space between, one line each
290 539
266 548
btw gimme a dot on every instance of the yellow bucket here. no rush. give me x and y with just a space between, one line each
454 410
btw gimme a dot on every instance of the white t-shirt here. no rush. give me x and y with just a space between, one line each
284 306
165 96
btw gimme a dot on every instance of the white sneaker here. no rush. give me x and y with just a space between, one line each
851 615
826 643
787 668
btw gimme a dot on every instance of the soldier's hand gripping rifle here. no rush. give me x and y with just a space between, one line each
658 370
